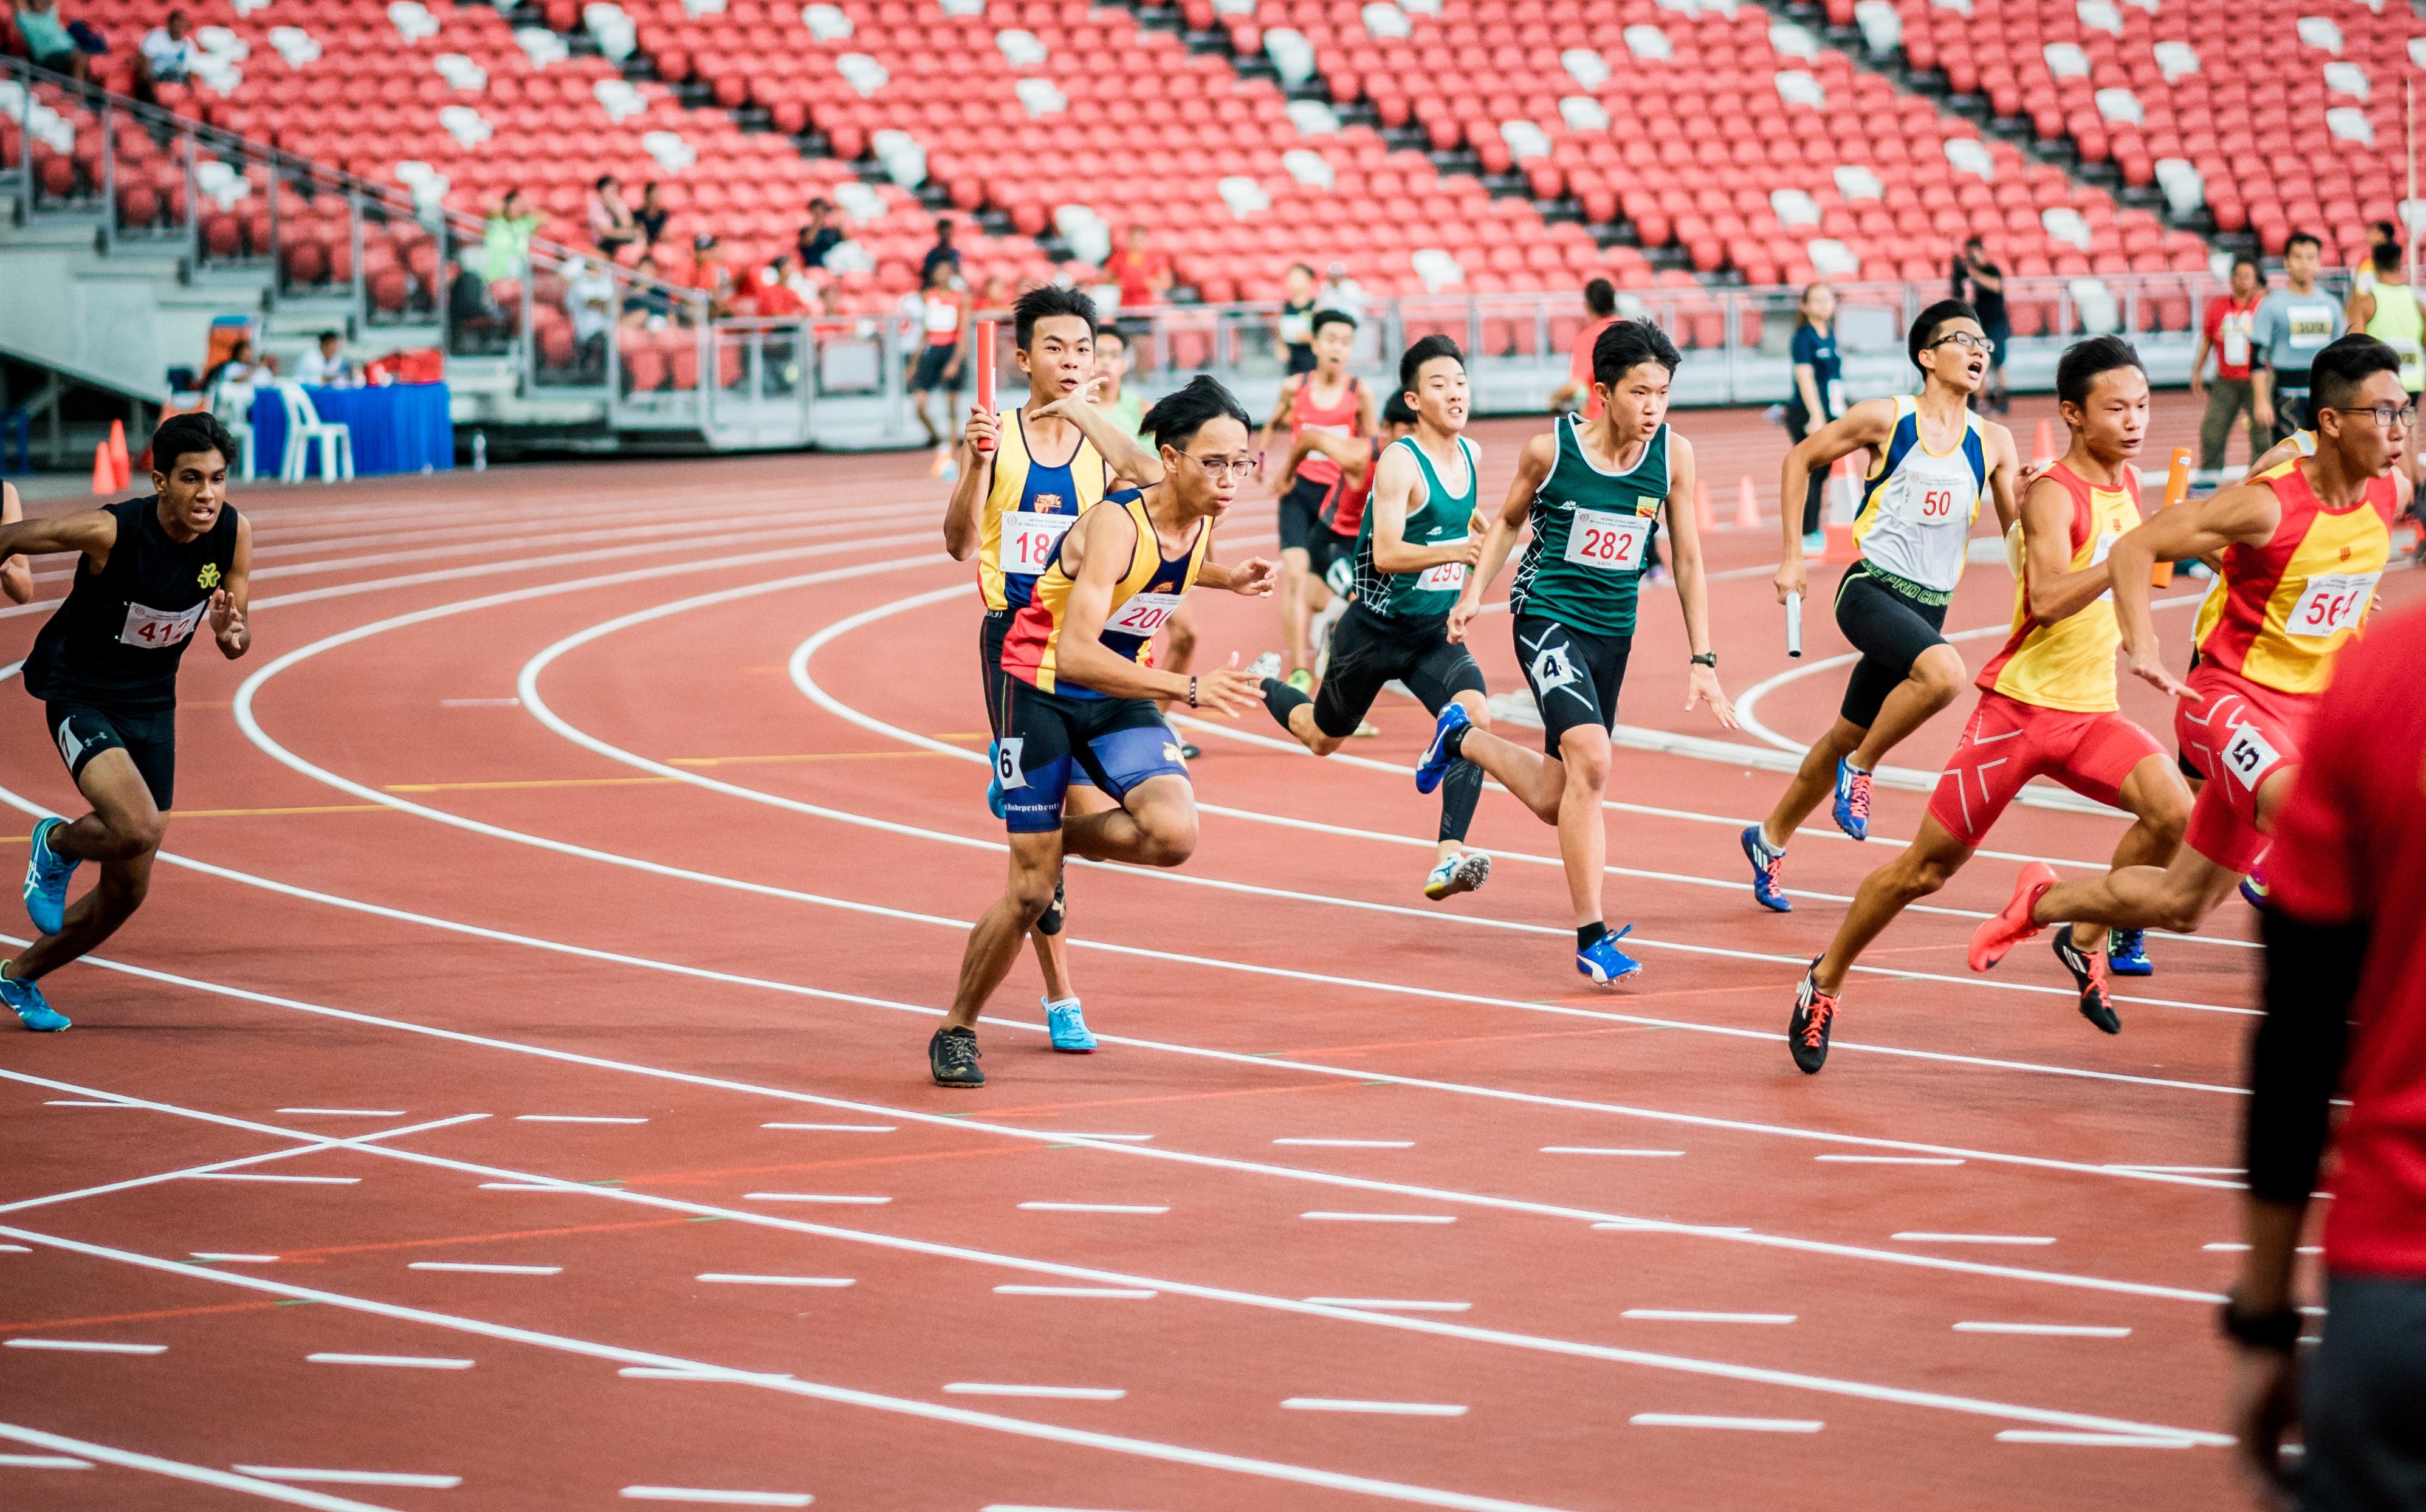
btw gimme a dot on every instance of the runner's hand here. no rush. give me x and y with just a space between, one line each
1793 578
982 431
1228 689
1469 552
2032 472
227 621
2198 386
1253 577
2265 1405
2264 410
1083 394
1704 685
1464 609
2149 666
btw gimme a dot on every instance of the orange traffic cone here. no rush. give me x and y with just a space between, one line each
118 459
1839 548
2042 444
105 473
1704 517
1747 507
2178 488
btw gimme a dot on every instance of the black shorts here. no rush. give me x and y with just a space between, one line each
1890 630
930 379
1575 675
81 732
1044 741
2000 341
1330 552
1301 514
996 682
1369 651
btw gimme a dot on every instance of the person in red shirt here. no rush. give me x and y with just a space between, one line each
1600 298
2345 1006
2229 324
1142 272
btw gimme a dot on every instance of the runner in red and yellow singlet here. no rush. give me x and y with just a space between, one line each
2302 547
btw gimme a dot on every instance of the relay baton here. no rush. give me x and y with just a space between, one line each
985 372
1793 623
2177 487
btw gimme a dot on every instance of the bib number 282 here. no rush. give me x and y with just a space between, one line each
1612 543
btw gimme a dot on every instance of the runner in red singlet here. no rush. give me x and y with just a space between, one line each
1328 398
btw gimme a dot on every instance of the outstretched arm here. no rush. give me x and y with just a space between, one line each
1280 414
978 443
1866 424
1692 593
2247 513
1533 466
1103 541
1128 458
90 532
1394 493
1353 453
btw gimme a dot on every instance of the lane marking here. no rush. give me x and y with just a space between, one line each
1692 1420
234 1259
1091 1206
2226 1249
43 1462
307 1144
1683 1315
774 1280
1405 1409
1058 1393
1124 1293
679 1493
1382 1217
1916 1238
82 1102
2052 1330
1891 1159
2093 1441
1350 1143
1117 1139
2189 1170
340 1113
1384 1305
520 1186
87 1347
838 1198
475 1268
14 1249
351 1477
693 1373
178 1469
423 1362
261 1176
836 1128
572 1118
1603 1149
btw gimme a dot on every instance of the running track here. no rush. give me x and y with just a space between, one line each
514 1093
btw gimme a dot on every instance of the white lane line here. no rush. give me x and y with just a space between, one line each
1403 1409
224 1259
343 1113
1056 1393
1386 1305
2052 1330
1117 1139
696 1373
264 1176
479 703
1382 1217
1605 1150
1025 1506
1091 1206
700 1498
418 1362
14 1249
1687 1315
87 1347
842 1198
2092 1440
2226 1249
1924 1238
2183 1170
178 1469
86 1102
1695 1419
1891 1159
1350 1143
469 1267
1715 1231
735 1279
351 1477
1122 1293
521 1186
43 1462
306 1144
570 1118
836 1128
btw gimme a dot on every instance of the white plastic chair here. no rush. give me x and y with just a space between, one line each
304 428
242 430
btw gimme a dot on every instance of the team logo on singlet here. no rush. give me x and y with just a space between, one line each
209 576
1047 504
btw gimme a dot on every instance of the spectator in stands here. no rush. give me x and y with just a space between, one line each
228 387
647 302
1342 293
818 237
505 240
327 365
2229 332
1297 318
48 45
651 215
1981 285
588 302
776 296
1819 393
2295 323
611 226
1600 302
941 254
1143 271
942 363
712 275
167 55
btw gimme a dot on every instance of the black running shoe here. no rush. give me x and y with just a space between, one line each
1056 912
1188 752
952 1056
2088 970
1806 1032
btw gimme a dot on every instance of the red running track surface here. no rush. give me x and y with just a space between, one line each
569 880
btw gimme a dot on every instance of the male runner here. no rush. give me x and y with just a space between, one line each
1414 543
1009 509
1593 492
104 666
1073 693
2048 701
2295 323
1332 555
1931 461
2303 549
1328 398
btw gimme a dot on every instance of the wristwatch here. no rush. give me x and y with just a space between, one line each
1707 659
2279 1329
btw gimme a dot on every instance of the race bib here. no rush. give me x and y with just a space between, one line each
1028 540
2413 365
2235 331
1611 542
1449 574
154 629
2333 601
1007 769
2311 325
1145 613
2248 756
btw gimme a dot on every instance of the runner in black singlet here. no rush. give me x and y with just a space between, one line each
150 572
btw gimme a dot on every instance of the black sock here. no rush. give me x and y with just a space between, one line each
1591 935
1281 698
1453 747
1460 792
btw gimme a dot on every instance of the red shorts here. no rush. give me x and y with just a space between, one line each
2238 734
2008 743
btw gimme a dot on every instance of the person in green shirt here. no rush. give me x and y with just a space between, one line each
505 238
1593 492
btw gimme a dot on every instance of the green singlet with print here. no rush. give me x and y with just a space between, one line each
1440 519
1592 534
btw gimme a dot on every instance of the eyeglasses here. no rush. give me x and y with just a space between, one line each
1965 339
2386 416
1223 467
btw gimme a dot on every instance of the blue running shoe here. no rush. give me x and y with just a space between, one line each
2127 953
1437 762
993 777
2253 890
1605 963
1853 800
33 1010
1066 1027
46 882
1766 864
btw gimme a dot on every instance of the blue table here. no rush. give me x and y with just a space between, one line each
404 427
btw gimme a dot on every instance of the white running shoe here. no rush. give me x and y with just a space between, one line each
1460 873
1267 665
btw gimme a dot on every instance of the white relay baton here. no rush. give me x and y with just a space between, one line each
1793 623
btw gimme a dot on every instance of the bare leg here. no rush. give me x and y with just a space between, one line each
123 833
1813 782
918 407
1539 781
2178 897
1053 950
2161 805
1583 832
1297 613
1924 867
993 943
1936 680
1155 826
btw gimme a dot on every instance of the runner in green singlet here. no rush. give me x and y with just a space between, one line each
1594 492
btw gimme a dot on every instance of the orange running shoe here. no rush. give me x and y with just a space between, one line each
2011 925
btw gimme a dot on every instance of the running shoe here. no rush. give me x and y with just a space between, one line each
1056 913
1366 730
2088 970
994 778
2011 925
1437 761
46 882
1267 665
1807 1028
1066 1027
1460 873
1766 864
33 1010
2253 889
1853 800
1189 751
1816 540
952 1057
2127 953
1303 680
1605 963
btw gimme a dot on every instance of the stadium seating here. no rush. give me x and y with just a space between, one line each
2279 115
